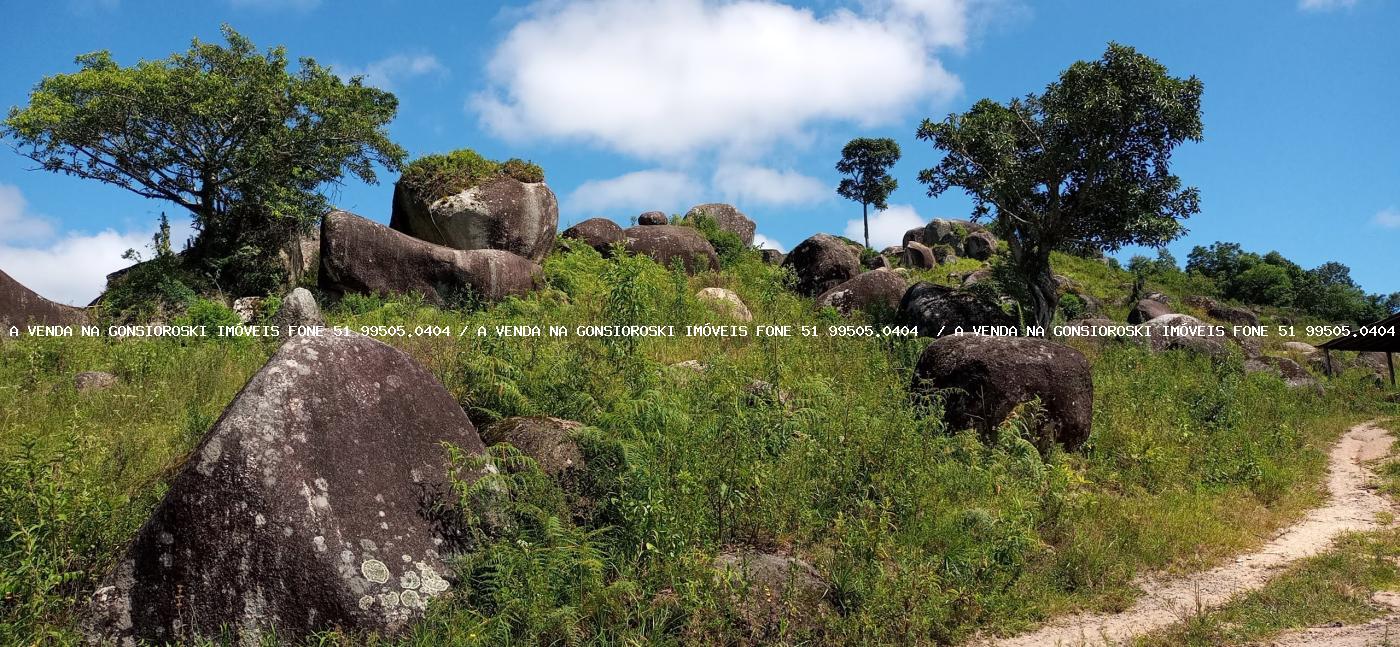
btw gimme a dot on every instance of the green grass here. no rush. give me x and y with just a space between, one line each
926 534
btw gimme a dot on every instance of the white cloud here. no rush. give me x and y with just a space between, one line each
1388 218
886 227
764 242
1325 5
660 78
655 189
386 73
755 185
16 223
74 269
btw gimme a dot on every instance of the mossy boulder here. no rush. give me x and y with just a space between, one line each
727 217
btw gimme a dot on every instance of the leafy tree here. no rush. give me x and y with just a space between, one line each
1218 261
867 161
1085 164
224 131
1264 284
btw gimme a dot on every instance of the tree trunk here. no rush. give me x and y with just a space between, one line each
865 215
1044 297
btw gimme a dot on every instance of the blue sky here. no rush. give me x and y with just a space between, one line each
632 105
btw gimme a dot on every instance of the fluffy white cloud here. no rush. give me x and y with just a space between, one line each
655 189
1325 5
756 185
660 78
16 222
886 227
1388 218
386 73
764 242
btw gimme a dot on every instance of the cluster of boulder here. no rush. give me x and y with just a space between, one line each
654 236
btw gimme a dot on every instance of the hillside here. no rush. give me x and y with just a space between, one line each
804 448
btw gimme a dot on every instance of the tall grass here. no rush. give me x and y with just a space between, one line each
926 534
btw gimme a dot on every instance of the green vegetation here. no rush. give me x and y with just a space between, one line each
728 246
1326 291
926 534
867 162
162 129
1083 165
433 177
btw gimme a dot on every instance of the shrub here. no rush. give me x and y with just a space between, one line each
433 177
727 244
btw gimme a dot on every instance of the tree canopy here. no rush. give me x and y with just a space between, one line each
226 132
1083 165
1326 291
867 161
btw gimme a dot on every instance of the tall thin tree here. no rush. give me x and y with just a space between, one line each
867 162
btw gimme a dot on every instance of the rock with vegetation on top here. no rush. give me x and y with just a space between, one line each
982 379
728 218
94 381
666 243
979 245
918 256
549 441
1146 310
938 310
362 256
770 591
822 262
464 201
653 218
313 503
20 306
725 302
598 233
874 291
298 310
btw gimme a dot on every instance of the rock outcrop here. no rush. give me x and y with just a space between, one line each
88 381
822 262
598 233
772 256
310 504
362 256
937 310
979 245
1146 310
1184 332
918 256
20 306
663 243
728 218
501 213
725 302
874 291
653 218
982 379
549 441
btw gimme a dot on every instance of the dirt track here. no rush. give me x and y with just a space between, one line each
1351 506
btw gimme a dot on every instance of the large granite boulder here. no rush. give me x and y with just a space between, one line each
979 245
653 218
663 243
938 310
770 592
1232 314
822 262
549 441
728 218
359 255
20 306
772 256
1146 310
982 379
725 302
1184 332
1291 372
500 213
874 291
312 503
918 256
298 312
598 233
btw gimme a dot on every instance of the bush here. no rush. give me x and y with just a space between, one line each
210 314
727 244
1264 284
433 177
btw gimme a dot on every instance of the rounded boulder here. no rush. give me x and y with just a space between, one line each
822 262
501 213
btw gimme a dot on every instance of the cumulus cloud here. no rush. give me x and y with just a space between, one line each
16 222
654 189
757 185
763 242
886 227
386 73
1388 218
661 78
1325 5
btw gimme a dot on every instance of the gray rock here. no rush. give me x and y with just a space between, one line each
663 243
301 257
979 245
20 306
1183 332
725 302
977 276
918 256
501 213
772 256
598 233
1232 315
247 308
728 218
1299 347
94 381
874 291
1288 370
1146 310
769 592
298 310
361 256
938 310
822 262
311 504
549 441
981 380
653 218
